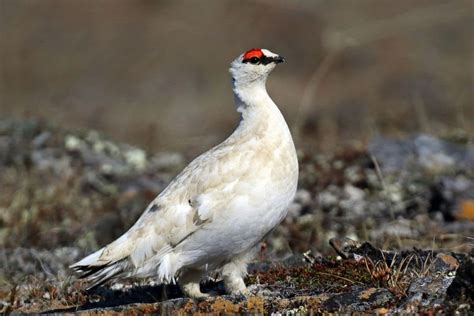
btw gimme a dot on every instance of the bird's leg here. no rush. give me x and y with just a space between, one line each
233 274
189 283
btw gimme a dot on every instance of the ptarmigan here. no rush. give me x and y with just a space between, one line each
213 215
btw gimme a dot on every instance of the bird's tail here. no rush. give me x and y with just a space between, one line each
93 270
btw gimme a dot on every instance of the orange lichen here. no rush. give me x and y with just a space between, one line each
255 304
466 210
367 293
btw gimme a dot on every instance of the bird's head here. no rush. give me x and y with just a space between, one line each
253 66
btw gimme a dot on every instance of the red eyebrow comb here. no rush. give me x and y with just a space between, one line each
254 52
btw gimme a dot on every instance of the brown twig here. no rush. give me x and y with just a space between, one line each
340 277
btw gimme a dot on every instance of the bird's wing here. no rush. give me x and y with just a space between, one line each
197 195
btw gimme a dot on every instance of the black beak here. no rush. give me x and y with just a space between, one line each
267 60
279 59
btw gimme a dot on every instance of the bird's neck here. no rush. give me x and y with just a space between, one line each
252 98
256 107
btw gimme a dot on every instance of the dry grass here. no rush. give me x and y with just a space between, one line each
37 294
398 273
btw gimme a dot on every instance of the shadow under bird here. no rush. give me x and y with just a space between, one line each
213 215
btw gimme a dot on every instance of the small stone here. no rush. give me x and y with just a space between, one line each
463 308
136 158
294 210
430 285
463 283
41 139
303 197
328 198
358 300
445 262
353 193
344 247
72 142
166 160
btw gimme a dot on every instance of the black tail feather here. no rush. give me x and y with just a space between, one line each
99 275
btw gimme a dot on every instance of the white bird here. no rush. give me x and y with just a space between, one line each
213 215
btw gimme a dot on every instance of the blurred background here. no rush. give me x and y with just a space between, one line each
154 73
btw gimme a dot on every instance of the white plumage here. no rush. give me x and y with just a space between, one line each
216 211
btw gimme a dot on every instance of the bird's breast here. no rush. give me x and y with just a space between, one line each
273 174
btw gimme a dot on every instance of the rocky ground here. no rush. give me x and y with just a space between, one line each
386 227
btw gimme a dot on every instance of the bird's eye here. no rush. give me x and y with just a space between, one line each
254 60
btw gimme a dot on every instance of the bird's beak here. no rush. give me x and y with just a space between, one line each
272 59
279 59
